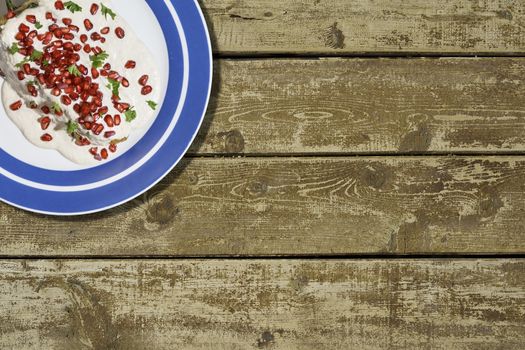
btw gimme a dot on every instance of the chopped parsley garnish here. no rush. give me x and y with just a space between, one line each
72 127
73 70
24 61
13 49
130 115
38 25
36 55
152 104
73 7
98 60
45 63
107 11
113 86
56 107
32 82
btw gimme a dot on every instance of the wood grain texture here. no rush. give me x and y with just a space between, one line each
225 305
249 27
273 206
293 106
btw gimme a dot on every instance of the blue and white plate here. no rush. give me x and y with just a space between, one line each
43 181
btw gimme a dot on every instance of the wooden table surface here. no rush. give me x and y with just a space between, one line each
359 183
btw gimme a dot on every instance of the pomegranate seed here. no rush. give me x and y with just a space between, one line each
143 80
83 38
109 134
107 66
88 25
41 79
88 125
32 90
68 46
130 64
21 75
66 100
93 150
73 28
10 14
33 105
125 82
16 105
109 121
104 30
59 5
31 19
20 36
32 34
103 110
23 28
98 157
50 17
112 148
45 109
55 92
33 72
116 119
27 68
44 123
69 36
77 47
76 108
93 9
95 36
104 73
120 32
99 129
113 75
52 27
146 90
104 153
67 21
96 50
94 73
46 138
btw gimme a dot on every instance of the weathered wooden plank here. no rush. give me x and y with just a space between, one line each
370 304
366 26
268 206
361 106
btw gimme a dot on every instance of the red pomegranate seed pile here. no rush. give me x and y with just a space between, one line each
59 71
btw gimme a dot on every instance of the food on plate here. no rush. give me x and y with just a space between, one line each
77 79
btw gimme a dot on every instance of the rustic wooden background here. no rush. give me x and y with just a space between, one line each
359 182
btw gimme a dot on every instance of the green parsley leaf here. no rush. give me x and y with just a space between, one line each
98 60
45 63
130 115
32 82
24 61
107 11
73 7
13 49
113 86
38 25
152 105
74 70
56 107
72 127
36 55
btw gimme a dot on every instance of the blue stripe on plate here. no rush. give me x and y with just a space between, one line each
81 202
